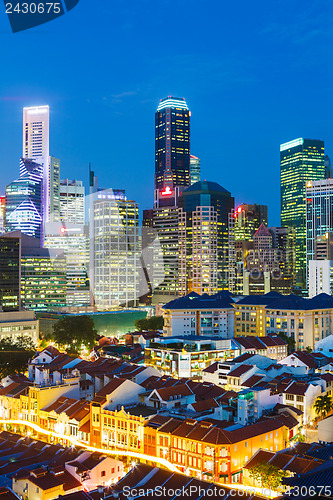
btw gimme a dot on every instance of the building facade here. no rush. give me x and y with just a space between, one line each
72 202
116 248
204 210
172 143
302 160
24 200
10 272
195 169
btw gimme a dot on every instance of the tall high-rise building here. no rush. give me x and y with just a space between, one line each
319 213
172 175
2 213
36 146
73 240
72 201
23 208
36 134
54 182
10 272
172 144
204 210
302 160
195 169
43 277
116 248
248 218
328 167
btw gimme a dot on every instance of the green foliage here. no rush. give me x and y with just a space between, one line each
14 355
152 324
268 475
290 341
323 405
73 332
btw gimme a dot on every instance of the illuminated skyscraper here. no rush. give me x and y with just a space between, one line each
172 175
36 147
247 220
72 201
195 169
116 248
204 210
54 173
23 209
302 160
73 240
2 213
172 144
10 272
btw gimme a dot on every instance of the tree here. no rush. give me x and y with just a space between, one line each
73 332
269 475
290 341
323 405
152 324
14 355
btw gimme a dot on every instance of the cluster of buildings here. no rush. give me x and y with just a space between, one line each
208 429
194 239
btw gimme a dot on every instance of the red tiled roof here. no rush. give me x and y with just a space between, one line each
240 370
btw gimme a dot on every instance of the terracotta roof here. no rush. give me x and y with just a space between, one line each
166 393
207 404
252 381
297 388
212 368
109 388
240 370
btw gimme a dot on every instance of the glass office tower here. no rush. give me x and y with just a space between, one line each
23 211
195 169
10 272
302 160
204 210
172 143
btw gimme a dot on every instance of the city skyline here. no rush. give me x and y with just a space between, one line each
242 104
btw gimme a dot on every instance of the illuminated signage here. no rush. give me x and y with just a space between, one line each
167 191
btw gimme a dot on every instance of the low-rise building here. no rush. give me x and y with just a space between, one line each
17 323
253 403
325 346
188 356
194 314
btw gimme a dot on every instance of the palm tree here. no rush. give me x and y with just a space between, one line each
323 405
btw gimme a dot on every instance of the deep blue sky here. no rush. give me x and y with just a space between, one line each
254 74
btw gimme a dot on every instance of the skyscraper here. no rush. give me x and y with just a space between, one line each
319 213
204 210
54 173
301 160
328 167
2 213
172 175
73 240
72 201
172 144
248 219
116 248
23 209
36 147
195 169
10 272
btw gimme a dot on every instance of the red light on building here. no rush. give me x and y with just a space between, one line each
62 230
239 210
167 191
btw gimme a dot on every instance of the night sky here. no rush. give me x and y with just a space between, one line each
254 74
